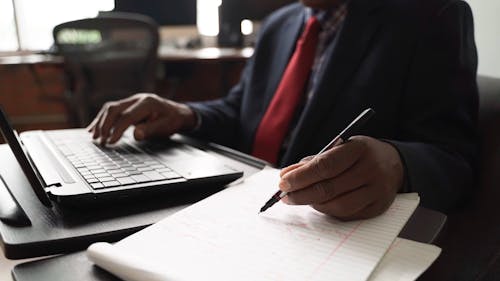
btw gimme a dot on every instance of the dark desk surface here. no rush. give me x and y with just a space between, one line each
57 231
79 267
165 54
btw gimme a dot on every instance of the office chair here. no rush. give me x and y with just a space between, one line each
106 58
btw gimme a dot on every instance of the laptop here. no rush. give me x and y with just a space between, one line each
69 168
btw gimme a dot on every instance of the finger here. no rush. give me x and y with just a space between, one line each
296 165
157 128
370 211
90 127
306 159
290 168
132 115
113 113
327 165
349 204
303 161
328 189
103 137
93 125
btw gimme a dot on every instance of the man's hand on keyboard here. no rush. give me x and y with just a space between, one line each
152 116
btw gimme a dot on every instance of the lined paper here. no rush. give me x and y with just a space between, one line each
405 260
224 237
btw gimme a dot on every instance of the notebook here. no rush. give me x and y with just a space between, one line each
68 167
405 260
224 238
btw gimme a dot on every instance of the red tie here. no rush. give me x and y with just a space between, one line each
276 121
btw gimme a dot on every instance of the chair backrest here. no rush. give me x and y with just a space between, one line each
489 128
106 58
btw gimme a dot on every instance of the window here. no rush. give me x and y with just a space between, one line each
208 17
36 19
32 30
7 27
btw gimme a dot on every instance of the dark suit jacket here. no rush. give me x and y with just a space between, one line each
413 61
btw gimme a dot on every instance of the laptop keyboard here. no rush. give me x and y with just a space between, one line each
103 167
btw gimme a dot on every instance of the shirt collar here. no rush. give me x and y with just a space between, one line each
324 15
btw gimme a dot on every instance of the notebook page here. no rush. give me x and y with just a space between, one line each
405 260
224 237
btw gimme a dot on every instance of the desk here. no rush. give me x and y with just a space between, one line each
29 59
423 226
6 266
79 267
169 54
165 54
37 82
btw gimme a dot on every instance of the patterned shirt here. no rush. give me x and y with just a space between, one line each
331 22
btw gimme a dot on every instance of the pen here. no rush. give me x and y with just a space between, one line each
353 127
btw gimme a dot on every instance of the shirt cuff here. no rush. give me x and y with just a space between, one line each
405 187
198 120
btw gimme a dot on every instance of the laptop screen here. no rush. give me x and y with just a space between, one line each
12 138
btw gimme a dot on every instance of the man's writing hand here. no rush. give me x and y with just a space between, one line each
152 116
355 180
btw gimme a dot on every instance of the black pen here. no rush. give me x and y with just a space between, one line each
349 131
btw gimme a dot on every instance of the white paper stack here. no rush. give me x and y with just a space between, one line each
224 238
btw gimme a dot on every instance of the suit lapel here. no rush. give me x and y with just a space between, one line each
285 48
350 46
284 45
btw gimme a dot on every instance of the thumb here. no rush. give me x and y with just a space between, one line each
157 128
292 167
306 159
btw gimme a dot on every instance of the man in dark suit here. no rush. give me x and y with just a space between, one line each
317 65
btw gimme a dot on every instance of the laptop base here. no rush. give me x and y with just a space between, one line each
60 230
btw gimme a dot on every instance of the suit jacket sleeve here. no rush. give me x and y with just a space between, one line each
438 131
220 118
